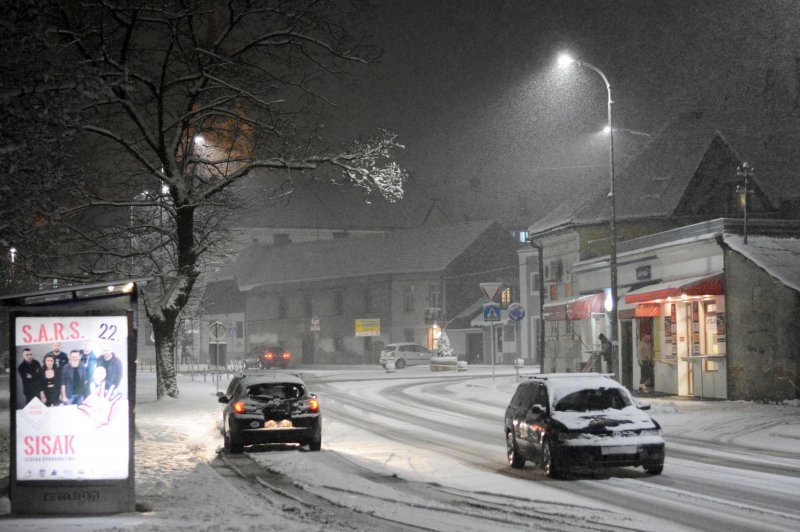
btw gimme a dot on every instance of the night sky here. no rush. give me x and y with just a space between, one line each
473 89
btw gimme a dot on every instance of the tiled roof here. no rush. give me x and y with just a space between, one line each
422 249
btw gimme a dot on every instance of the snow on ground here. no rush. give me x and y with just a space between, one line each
177 489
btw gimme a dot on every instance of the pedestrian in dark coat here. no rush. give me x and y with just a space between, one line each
605 350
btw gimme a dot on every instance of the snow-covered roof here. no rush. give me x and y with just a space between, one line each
653 183
419 250
778 256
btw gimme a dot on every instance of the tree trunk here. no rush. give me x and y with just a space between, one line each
166 369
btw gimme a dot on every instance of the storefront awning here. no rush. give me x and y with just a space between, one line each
694 286
579 308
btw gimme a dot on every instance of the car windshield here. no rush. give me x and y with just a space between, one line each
275 391
593 399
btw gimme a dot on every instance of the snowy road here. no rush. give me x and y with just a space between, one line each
422 450
445 433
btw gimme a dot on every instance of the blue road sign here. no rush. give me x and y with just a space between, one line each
491 312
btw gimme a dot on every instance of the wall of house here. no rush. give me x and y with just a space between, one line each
762 365
413 319
335 342
492 257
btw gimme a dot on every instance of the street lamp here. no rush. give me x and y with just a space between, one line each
565 61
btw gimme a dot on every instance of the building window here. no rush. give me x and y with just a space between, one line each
408 334
523 236
534 284
308 307
553 292
506 297
282 307
338 302
367 299
435 295
408 298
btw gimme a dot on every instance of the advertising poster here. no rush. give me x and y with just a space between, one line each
71 398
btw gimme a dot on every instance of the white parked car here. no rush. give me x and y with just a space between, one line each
405 354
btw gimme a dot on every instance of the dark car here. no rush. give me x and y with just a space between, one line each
580 422
272 408
268 356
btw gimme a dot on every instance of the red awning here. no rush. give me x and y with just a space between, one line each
648 310
695 286
580 308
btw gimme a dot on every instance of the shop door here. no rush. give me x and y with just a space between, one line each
685 380
475 348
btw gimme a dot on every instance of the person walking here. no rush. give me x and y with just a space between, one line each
605 350
645 358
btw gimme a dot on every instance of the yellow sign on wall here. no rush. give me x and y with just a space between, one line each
368 327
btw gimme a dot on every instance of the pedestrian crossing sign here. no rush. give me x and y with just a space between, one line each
491 312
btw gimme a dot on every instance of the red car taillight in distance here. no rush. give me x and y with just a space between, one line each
286 355
269 355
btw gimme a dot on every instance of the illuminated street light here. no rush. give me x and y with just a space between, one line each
565 61
607 130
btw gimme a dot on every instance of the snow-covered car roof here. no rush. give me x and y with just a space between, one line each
562 384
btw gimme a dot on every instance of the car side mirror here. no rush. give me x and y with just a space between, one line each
644 406
223 399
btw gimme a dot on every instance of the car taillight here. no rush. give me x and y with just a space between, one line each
269 355
238 407
286 356
313 405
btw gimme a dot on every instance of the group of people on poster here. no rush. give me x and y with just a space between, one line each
63 378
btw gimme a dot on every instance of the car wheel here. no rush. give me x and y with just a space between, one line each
232 446
400 363
315 445
548 460
654 470
515 460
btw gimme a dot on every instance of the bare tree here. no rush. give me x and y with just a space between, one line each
176 102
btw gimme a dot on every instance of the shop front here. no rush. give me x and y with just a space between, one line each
686 320
572 329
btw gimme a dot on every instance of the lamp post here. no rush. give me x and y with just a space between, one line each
745 171
565 61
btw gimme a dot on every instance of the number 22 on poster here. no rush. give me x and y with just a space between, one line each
63 331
